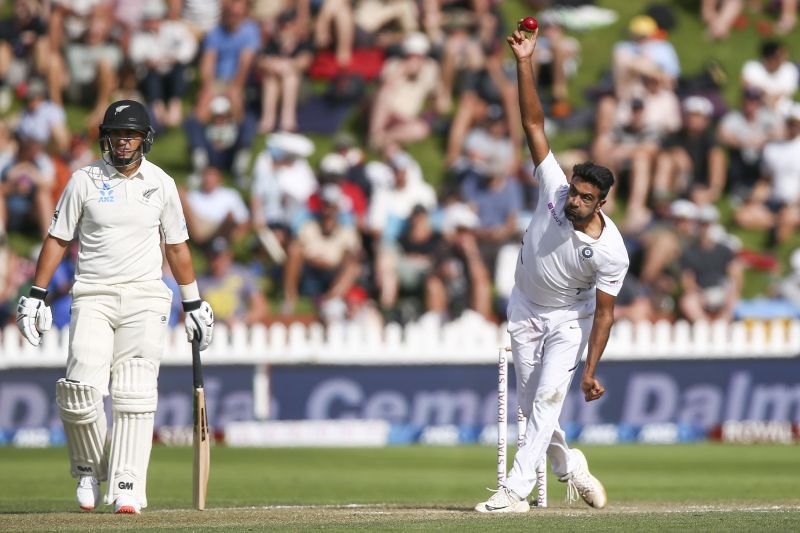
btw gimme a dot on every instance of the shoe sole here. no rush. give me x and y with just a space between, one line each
87 508
126 509
519 507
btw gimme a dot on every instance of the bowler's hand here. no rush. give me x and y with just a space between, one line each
591 387
521 45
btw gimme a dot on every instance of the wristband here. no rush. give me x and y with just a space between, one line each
38 293
191 305
190 291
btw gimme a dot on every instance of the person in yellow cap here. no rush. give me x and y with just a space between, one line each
645 54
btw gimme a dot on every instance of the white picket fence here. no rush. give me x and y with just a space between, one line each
469 340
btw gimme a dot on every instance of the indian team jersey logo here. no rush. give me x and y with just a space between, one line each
587 252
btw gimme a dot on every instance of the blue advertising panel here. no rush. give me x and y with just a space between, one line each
698 393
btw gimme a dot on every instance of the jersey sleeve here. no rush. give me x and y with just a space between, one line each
611 272
68 211
173 223
549 174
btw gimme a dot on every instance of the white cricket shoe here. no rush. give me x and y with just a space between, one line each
126 504
88 493
581 482
504 501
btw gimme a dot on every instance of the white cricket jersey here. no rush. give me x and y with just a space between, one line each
119 222
559 266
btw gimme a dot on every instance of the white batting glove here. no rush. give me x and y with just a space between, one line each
33 316
199 322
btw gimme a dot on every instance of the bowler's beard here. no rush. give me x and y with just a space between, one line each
575 219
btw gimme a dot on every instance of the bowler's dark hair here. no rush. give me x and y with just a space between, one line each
597 175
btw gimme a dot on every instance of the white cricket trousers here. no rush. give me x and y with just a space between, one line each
547 344
113 323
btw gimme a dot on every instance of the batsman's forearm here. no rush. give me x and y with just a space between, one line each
529 103
180 262
51 255
601 328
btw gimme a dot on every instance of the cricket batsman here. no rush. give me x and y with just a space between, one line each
118 208
569 272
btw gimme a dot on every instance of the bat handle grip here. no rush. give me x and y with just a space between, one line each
197 366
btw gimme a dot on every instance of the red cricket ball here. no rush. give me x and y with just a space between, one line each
529 24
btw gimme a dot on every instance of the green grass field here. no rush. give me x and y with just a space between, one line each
703 487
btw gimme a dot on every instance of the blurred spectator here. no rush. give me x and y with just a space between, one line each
461 51
555 61
441 15
774 203
744 132
719 16
224 140
42 119
629 146
788 17
201 15
283 181
23 47
488 140
346 145
334 22
324 261
162 49
286 56
229 50
711 276
231 288
91 56
333 169
789 286
645 54
407 84
80 152
489 94
9 279
25 186
497 199
407 266
633 302
373 16
215 211
460 279
391 206
774 74
662 244
691 162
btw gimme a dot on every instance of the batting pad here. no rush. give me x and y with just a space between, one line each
133 403
84 419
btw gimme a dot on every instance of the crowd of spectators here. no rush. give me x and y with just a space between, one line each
364 235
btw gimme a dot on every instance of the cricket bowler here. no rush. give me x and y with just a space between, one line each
119 208
569 272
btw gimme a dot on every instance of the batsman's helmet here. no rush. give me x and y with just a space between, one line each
125 115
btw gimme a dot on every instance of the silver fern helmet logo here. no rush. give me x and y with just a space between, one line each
121 108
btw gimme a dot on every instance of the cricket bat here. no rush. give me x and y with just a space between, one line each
202 446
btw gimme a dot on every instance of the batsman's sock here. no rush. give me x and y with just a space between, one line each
84 419
133 400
